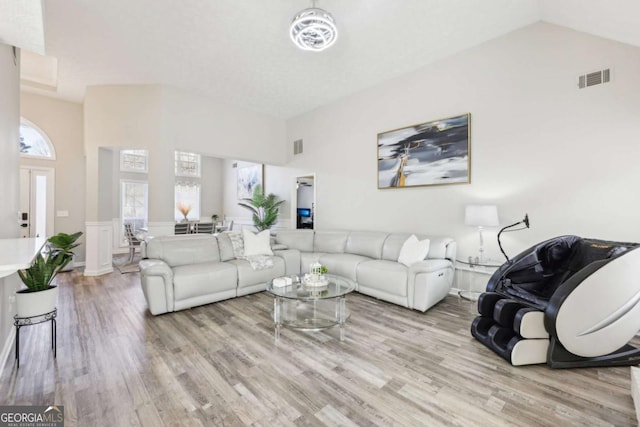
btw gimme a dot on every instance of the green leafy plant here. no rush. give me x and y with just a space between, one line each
39 275
264 208
323 269
214 217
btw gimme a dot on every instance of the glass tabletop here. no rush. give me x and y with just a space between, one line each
472 263
336 287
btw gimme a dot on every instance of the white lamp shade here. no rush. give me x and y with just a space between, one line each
481 216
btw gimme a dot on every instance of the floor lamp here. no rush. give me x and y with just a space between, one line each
481 216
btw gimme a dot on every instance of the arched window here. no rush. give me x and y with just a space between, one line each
34 142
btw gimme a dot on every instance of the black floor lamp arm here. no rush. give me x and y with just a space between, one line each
500 232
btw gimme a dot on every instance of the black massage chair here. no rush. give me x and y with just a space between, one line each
568 301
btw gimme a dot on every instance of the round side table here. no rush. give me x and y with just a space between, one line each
473 272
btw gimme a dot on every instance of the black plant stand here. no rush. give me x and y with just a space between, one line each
19 322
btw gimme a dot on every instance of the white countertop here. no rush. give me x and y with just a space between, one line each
17 254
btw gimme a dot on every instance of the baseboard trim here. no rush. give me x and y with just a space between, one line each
6 349
100 272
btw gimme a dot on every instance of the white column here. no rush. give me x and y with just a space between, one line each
99 244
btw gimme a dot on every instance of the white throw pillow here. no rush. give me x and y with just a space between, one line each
257 244
413 250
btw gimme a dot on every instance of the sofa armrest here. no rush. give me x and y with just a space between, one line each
428 282
156 278
450 253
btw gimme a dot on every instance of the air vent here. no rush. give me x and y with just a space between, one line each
297 146
595 78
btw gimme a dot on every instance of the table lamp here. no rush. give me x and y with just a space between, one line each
481 216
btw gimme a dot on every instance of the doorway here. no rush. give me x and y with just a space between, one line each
305 204
36 201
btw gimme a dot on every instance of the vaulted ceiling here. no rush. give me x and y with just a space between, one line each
239 52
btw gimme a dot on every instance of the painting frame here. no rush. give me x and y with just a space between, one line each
248 177
436 153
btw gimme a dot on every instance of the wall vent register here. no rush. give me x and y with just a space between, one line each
595 78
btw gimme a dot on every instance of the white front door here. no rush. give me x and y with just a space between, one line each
36 201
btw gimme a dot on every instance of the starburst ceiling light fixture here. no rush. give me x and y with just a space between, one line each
313 29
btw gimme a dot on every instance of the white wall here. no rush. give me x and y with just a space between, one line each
9 137
568 157
62 122
278 180
9 183
162 119
211 188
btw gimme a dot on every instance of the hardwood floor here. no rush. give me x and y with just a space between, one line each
219 365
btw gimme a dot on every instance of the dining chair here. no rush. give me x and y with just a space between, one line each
226 226
203 228
133 241
182 228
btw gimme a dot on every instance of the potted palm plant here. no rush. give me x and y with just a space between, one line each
264 208
40 296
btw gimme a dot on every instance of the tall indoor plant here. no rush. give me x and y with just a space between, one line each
264 208
40 297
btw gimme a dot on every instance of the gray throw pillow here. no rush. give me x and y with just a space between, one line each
237 242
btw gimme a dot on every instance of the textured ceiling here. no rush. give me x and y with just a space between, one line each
21 24
238 51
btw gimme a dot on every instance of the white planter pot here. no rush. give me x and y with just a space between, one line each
29 304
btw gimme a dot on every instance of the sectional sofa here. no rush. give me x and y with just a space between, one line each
188 271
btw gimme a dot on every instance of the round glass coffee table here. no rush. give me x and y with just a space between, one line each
311 308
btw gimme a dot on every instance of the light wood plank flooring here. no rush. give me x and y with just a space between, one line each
218 365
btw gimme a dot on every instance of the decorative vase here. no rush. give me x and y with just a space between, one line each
35 303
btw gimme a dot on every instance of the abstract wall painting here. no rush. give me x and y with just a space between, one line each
432 153
248 178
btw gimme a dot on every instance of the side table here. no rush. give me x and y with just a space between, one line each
473 272
19 322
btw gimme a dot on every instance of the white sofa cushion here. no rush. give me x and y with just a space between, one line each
392 245
388 276
184 250
413 251
344 265
366 243
256 244
301 240
332 242
247 276
308 258
202 279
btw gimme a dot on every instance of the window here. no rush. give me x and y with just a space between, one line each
134 161
187 189
187 164
133 204
34 142
187 199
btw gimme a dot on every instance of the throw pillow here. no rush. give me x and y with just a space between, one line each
257 244
413 250
237 243
226 247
